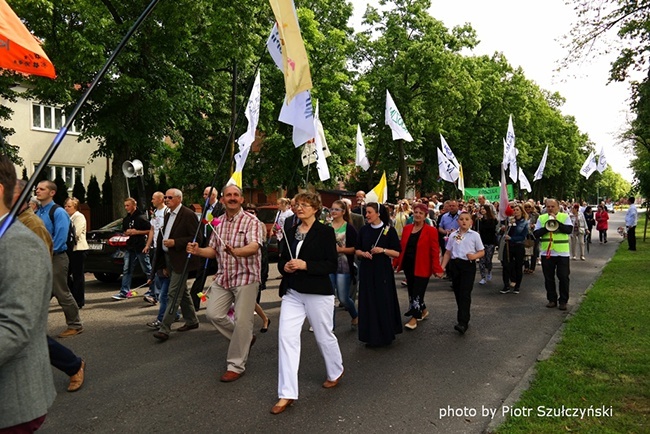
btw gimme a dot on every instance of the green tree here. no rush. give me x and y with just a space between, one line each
79 191
61 191
414 57
7 94
107 193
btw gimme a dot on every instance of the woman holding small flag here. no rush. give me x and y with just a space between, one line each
306 289
377 245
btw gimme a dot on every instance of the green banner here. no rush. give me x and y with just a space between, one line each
491 193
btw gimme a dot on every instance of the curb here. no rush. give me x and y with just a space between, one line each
545 354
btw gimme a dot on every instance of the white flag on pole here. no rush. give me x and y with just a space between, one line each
319 143
448 152
461 179
542 164
274 45
503 196
240 160
299 113
361 158
511 161
446 169
309 153
394 120
508 143
602 161
252 114
523 181
589 165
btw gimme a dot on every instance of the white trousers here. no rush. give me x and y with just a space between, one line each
295 308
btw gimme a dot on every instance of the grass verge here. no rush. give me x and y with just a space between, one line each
602 364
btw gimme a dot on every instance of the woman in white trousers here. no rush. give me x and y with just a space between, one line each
307 258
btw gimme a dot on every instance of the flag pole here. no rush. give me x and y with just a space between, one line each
231 137
70 119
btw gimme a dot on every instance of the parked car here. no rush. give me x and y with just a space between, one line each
107 246
106 253
267 214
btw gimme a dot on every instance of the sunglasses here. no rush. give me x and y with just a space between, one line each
252 211
168 197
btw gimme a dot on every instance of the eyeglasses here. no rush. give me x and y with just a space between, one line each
302 205
336 209
168 197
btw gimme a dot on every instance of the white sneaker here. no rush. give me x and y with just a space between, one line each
481 282
574 258
582 258
489 277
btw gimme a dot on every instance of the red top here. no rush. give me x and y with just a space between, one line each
427 258
601 220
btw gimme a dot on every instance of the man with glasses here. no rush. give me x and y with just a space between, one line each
235 243
179 229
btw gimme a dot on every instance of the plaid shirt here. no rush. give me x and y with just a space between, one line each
238 231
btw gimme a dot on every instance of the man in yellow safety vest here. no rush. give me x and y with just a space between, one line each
554 251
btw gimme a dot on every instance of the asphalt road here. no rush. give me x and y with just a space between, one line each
429 380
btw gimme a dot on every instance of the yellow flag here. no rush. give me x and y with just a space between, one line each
235 179
297 77
379 194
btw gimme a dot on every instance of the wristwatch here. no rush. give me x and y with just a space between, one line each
384 251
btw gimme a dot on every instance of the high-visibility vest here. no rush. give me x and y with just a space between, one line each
556 240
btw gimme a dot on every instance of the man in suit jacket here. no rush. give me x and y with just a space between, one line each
26 384
179 229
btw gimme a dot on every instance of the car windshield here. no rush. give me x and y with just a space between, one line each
112 226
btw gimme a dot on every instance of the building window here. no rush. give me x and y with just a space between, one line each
47 118
69 174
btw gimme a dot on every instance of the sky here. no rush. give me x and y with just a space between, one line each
528 33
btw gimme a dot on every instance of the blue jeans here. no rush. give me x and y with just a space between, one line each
129 265
341 285
163 284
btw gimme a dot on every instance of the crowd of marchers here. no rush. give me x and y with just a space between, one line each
348 253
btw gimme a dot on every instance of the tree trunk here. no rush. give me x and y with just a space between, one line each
118 179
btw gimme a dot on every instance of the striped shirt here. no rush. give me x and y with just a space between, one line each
238 231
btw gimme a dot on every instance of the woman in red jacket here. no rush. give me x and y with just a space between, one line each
419 258
601 223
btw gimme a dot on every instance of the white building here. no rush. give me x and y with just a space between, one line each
36 126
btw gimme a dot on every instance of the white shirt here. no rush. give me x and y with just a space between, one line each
170 223
157 222
460 246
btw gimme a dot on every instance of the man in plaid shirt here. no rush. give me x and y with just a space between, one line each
236 243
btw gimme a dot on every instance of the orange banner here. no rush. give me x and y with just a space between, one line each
19 50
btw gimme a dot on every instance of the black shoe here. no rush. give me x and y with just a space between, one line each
461 328
266 329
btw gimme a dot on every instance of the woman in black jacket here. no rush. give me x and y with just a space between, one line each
486 226
305 267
